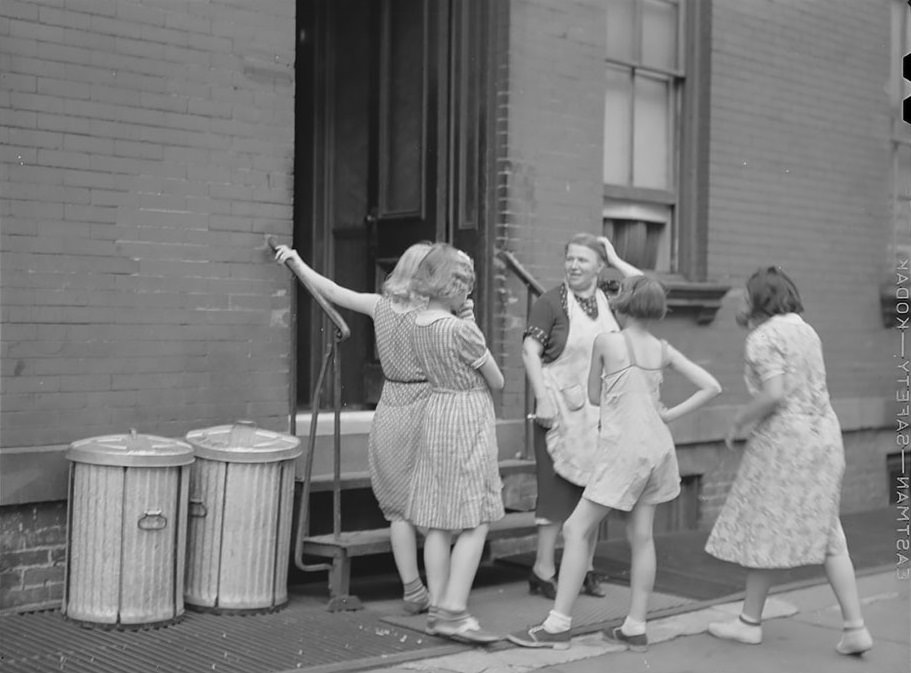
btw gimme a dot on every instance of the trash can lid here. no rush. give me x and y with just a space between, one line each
243 442
131 450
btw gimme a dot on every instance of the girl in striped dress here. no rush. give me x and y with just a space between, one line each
456 487
394 434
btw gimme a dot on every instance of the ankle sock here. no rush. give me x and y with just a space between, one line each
632 627
415 591
557 622
854 626
749 621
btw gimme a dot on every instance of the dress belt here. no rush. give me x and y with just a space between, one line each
410 381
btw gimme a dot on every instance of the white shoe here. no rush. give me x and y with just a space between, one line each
737 629
855 641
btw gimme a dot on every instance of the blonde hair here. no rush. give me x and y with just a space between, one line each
397 285
641 297
444 272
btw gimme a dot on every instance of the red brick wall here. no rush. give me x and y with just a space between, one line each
148 150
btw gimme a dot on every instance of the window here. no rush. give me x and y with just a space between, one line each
645 76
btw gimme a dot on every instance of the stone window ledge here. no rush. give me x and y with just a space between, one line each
700 299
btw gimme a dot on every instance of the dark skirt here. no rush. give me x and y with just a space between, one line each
557 498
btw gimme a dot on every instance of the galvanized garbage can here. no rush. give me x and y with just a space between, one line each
126 530
240 510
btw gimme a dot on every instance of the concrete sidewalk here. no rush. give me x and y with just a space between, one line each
799 635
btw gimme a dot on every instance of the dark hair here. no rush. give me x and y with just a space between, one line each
641 297
772 292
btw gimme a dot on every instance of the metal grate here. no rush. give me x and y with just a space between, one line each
301 636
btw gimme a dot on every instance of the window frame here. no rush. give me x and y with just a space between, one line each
689 158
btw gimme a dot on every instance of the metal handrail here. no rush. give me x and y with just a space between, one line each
534 289
339 334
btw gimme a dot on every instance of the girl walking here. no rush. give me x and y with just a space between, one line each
636 467
394 434
782 511
456 487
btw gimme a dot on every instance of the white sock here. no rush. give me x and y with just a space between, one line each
632 627
557 622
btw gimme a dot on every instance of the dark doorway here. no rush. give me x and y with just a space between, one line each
391 148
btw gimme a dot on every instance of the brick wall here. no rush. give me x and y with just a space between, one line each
147 150
550 173
32 555
800 167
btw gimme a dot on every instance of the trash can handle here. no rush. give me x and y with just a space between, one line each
153 519
198 508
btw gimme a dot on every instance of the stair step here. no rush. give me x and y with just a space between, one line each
376 540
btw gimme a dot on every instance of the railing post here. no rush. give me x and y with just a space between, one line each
336 437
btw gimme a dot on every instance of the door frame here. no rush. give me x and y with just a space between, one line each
475 50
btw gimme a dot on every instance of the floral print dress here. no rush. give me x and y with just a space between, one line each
782 511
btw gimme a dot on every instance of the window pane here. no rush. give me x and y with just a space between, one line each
617 126
659 34
620 29
651 140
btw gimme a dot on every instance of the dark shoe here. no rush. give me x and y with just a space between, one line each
591 585
536 636
416 607
536 585
634 643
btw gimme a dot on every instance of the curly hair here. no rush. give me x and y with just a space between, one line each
397 285
444 272
641 297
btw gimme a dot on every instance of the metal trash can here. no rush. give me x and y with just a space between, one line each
240 510
126 530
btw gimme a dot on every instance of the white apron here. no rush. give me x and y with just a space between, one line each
572 441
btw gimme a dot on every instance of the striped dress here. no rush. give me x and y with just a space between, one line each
396 428
456 481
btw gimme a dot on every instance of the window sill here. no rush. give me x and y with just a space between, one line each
699 299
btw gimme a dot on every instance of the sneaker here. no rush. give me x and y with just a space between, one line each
637 643
737 629
464 629
855 641
536 636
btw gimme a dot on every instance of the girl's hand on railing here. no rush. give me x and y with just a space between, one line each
283 253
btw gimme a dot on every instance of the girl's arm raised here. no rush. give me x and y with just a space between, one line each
699 377
362 302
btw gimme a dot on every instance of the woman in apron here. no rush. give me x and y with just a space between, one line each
557 351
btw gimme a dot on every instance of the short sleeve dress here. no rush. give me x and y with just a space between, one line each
456 481
396 428
782 511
